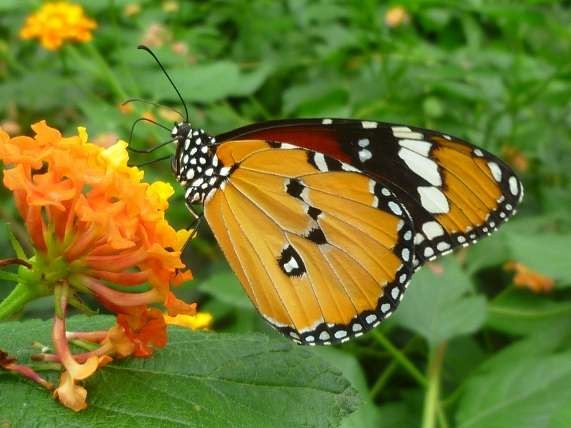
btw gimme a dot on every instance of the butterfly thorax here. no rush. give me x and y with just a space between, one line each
195 163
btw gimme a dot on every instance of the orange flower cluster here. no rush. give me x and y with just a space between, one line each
56 22
527 278
97 229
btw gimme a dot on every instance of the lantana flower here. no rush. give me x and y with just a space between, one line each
57 22
96 228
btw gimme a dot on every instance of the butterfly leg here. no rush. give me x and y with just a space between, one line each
195 225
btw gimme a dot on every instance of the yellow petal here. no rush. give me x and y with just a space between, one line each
82 132
159 192
69 394
117 154
200 321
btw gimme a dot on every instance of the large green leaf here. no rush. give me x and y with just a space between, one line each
200 379
439 306
368 414
224 286
521 312
529 393
206 82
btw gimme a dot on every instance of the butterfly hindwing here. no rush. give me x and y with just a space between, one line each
455 193
323 255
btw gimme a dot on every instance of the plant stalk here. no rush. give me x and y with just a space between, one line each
16 300
431 400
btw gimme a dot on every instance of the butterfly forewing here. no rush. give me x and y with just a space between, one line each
323 255
455 193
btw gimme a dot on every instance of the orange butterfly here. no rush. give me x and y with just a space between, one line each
324 221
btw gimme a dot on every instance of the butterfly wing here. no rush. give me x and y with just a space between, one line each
324 256
456 193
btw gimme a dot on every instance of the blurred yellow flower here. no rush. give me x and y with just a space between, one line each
396 16
170 6
57 22
131 9
199 321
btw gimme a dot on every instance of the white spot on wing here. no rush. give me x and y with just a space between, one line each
405 254
350 168
433 200
287 146
326 121
432 229
514 187
291 265
496 171
406 132
319 160
442 246
369 125
340 334
365 155
421 166
420 147
395 208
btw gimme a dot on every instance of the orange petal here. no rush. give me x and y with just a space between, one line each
176 306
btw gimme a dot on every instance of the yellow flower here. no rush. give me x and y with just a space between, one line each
57 22
200 321
396 16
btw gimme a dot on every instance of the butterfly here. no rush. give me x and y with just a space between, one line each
324 221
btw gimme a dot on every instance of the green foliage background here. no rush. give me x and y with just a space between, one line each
496 73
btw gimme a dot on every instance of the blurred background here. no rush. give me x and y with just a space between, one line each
491 322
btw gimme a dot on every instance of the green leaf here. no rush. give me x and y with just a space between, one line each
24 91
521 312
206 82
490 252
550 338
528 393
224 286
200 379
368 414
439 307
398 415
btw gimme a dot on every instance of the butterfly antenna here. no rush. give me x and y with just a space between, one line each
141 119
141 100
145 48
153 161
150 149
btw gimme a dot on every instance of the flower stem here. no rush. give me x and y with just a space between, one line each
431 400
16 300
29 373
400 357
